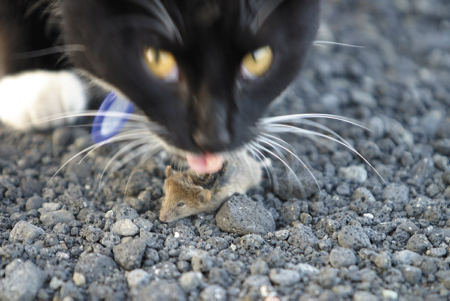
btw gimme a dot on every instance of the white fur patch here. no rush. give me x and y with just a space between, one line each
29 100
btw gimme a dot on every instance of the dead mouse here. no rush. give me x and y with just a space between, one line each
188 193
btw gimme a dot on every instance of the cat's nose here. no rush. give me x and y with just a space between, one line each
212 139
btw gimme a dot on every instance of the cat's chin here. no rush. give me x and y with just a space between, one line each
206 163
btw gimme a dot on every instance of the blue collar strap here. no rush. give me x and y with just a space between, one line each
111 117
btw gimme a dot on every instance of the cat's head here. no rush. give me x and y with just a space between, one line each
205 70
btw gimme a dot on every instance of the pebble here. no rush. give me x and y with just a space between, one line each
94 266
129 254
110 239
54 217
302 237
411 274
328 277
34 202
124 227
282 234
25 232
353 237
284 277
406 257
356 174
137 278
364 296
22 281
242 215
79 279
418 243
143 224
201 262
382 260
342 257
213 293
160 290
421 171
389 294
190 281
252 243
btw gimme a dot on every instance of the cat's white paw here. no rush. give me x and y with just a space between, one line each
29 100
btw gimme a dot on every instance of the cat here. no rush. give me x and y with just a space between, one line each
203 71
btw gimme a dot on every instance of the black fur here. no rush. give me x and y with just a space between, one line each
213 108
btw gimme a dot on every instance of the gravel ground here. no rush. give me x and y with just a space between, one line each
358 239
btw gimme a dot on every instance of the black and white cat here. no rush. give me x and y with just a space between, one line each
204 71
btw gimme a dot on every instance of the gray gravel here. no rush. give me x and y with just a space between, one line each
358 239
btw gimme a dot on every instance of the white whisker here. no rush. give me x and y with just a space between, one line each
320 43
293 129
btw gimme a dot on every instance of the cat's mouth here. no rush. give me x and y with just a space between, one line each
205 163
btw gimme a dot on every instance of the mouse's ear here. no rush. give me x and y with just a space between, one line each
204 196
169 172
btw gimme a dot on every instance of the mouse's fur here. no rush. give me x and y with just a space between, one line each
188 193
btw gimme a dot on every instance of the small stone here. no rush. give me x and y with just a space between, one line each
218 243
389 294
59 216
124 212
437 252
22 281
242 215
342 257
406 257
190 281
201 262
444 277
443 147
284 277
259 267
94 266
382 260
412 274
137 278
364 296
397 193
161 290
34 202
282 234
143 224
62 136
129 254
356 174
361 97
55 283
328 277
353 237
422 170
418 243
110 239
252 243
25 232
50 207
214 293
79 279
307 270
124 227
303 237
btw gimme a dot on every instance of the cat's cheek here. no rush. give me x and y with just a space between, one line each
32 99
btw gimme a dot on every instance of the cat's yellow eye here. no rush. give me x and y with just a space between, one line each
257 63
161 63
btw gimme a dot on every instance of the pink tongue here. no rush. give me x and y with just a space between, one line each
206 163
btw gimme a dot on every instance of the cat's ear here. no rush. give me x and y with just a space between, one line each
169 172
204 196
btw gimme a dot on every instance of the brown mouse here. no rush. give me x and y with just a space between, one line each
188 193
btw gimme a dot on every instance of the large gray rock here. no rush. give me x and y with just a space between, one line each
22 281
25 232
242 215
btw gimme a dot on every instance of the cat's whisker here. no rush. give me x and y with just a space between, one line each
258 155
322 43
294 117
284 162
283 128
120 137
144 158
132 155
269 140
124 149
48 51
